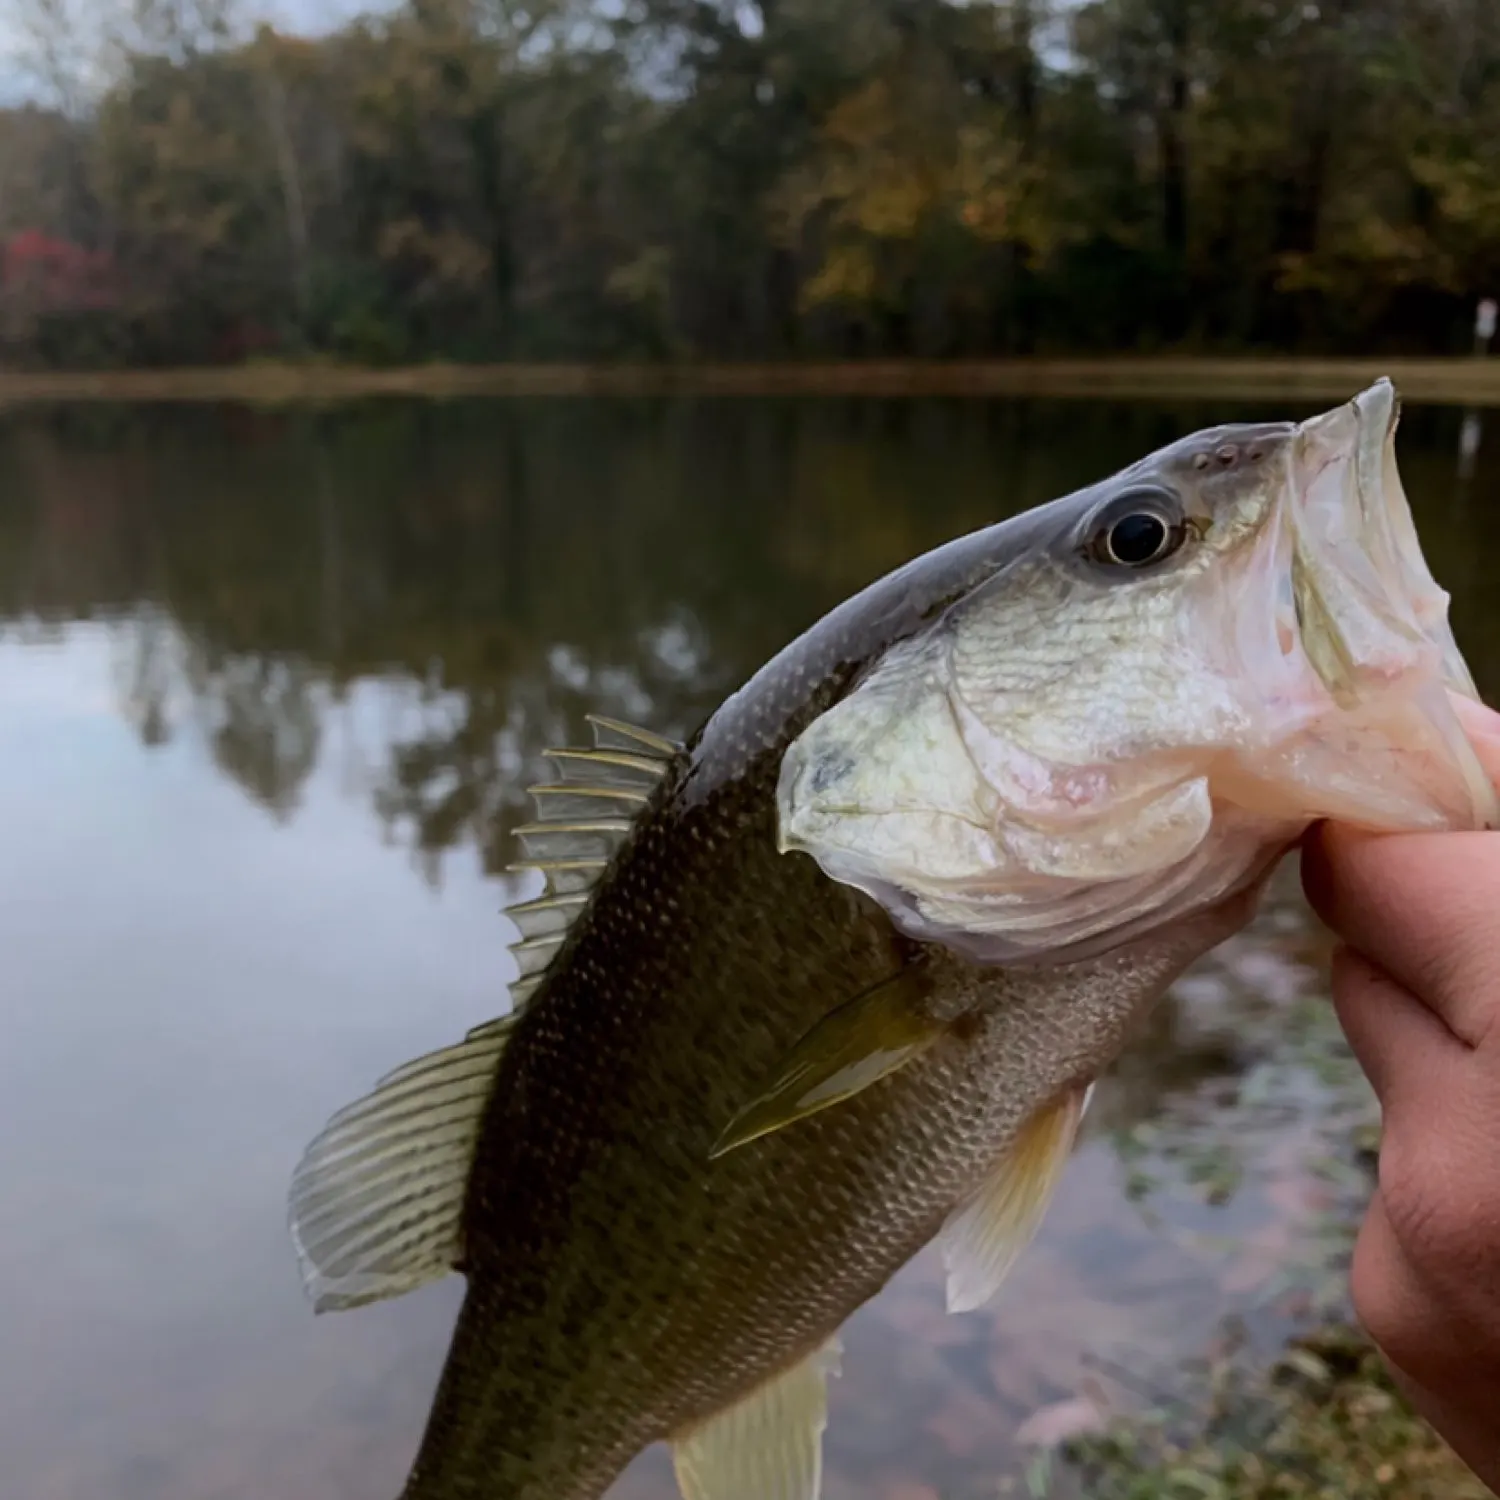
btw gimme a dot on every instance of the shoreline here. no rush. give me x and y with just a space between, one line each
1468 380
1323 1418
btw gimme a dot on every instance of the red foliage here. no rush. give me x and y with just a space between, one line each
51 275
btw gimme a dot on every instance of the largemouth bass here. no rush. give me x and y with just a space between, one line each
834 978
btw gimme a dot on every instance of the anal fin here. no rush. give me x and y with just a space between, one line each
768 1446
985 1237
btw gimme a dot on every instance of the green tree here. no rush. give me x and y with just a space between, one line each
486 179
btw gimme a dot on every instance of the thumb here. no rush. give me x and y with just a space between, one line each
1482 726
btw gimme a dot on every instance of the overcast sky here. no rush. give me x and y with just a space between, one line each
18 79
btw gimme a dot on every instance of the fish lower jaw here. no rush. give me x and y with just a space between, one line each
1013 916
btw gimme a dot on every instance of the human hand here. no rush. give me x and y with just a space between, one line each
1416 984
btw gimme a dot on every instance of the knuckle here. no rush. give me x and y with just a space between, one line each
1460 961
1389 1315
1431 1221
1414 1332
1425 915
1433 1295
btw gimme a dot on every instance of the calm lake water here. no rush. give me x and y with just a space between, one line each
270 685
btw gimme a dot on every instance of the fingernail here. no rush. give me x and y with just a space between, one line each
1478 719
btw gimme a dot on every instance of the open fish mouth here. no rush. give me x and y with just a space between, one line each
1364 601
1359 607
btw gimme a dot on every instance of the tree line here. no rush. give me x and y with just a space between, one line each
727 179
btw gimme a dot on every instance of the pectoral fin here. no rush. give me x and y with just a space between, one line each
985 1238
857 1045
768 1446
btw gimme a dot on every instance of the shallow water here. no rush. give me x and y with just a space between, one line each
269 688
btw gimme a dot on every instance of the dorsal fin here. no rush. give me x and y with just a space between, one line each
616 734
582 818
377 1198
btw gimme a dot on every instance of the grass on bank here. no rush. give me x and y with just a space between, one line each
1325 1423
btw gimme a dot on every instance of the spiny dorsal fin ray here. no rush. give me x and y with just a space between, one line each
582 819
563 876
595 838
377 1199
768 1446
564 801
985 1238
549 916
615 734
608 768
534 954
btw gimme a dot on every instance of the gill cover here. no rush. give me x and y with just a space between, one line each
905 791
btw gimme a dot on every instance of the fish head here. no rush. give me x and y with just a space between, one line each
1147 697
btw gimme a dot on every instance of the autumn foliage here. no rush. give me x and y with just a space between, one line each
477 179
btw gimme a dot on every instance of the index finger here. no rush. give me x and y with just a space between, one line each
1424 907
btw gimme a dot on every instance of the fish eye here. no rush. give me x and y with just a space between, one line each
1137 535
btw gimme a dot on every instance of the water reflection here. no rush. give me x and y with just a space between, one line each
269 687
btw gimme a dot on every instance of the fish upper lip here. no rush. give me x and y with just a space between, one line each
1379 641
1354 592
1355 501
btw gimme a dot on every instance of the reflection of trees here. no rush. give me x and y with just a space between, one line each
260 718
417 600
498 569
501 569
147 669
461 776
